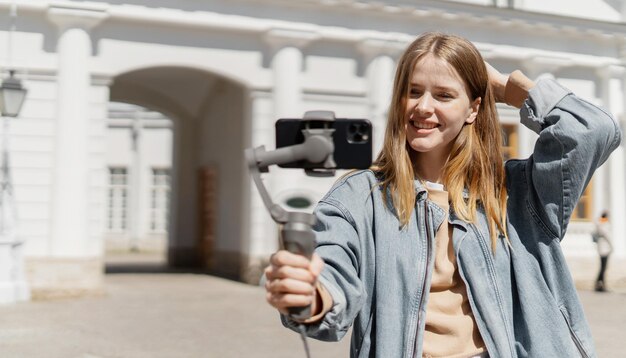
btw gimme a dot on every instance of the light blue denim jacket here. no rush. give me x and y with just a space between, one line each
523 297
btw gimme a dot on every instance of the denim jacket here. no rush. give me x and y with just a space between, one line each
523 297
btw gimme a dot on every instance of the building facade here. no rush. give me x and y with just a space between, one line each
223 72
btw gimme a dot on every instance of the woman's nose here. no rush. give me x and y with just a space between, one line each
425 104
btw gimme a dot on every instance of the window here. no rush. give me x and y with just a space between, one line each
509 139
299 202
583 210
118 199
159 199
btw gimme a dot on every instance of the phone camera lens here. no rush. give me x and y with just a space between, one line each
358 133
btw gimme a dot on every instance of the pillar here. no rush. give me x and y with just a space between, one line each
613 94
287 92
286 63
72 267
380 59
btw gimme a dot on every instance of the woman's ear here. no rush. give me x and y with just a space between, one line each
474 106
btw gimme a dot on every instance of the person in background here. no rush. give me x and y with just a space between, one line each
441 249
602 238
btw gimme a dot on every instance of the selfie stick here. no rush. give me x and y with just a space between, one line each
297 233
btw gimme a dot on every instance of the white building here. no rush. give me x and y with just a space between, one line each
224 71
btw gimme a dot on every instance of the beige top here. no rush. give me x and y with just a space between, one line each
451 330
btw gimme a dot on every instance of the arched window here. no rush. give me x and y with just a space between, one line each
584 210
299 202
509 139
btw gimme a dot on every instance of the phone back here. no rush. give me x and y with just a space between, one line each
352 139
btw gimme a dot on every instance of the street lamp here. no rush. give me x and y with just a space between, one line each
12 96
14 286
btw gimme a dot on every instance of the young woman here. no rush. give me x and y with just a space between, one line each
602 238
441 249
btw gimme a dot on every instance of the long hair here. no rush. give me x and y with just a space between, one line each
475 163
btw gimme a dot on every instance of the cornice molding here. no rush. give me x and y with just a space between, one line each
372 47
420 9
537 60
500 17
282 37
86 16
368 42
611 71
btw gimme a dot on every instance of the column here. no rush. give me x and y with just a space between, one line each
72 267
612 81
379 56
183 236
286 70
262 133
285 48
13 286
287 59
69 216
135 213
287 64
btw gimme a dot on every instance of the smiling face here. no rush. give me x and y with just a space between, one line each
437 108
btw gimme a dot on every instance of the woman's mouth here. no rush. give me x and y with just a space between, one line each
424 125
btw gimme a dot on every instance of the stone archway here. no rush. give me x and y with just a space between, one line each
209 188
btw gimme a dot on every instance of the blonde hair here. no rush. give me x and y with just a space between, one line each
475 162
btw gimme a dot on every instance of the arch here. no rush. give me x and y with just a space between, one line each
217 70
209 110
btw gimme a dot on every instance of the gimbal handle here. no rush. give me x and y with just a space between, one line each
297 235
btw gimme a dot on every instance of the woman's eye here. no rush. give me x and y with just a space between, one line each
446 95
415 93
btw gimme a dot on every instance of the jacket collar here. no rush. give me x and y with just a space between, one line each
421 191
421 194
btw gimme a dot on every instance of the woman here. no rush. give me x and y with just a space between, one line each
441 249
602 238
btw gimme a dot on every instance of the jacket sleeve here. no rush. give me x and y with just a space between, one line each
339 246
575 138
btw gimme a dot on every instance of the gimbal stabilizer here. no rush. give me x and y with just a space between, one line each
297 233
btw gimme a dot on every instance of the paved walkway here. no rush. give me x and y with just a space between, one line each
174 315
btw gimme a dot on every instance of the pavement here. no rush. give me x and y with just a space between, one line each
171 315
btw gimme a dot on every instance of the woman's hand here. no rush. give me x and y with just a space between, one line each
291 280
497 82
